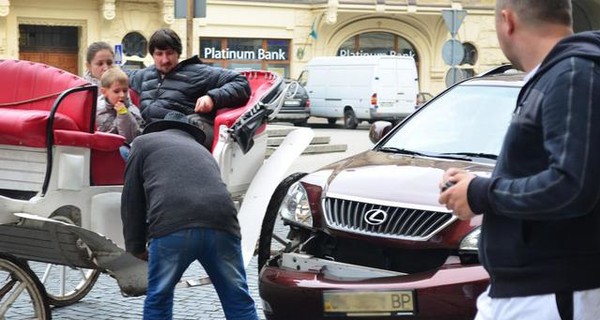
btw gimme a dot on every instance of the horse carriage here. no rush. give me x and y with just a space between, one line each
61 182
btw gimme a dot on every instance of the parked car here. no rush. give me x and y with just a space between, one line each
296 106
366 236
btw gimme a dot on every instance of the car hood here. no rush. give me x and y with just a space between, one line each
390 179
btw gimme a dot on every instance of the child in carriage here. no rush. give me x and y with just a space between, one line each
115 113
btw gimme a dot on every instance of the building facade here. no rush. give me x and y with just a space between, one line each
277 35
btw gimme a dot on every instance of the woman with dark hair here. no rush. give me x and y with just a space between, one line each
99 57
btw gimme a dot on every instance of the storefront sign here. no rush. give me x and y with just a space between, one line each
347 53
259 54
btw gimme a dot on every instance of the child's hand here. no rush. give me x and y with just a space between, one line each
121 108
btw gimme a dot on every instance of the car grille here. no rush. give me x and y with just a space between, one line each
399 222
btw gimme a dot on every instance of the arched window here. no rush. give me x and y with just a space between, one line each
135 44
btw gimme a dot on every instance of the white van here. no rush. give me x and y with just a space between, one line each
361 88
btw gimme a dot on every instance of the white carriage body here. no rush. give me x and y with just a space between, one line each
32 193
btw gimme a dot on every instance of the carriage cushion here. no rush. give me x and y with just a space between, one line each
28 127
35 86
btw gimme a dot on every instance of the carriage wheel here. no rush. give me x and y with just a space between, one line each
64 285
267 248
22 296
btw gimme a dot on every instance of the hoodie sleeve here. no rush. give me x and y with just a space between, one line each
569 184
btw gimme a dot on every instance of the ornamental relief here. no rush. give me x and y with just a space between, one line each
4 8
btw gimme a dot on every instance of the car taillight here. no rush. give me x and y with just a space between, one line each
307 105
374 100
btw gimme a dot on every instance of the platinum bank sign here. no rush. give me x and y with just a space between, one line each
259 54
347 53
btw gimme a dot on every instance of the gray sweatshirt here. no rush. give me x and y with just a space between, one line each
172 183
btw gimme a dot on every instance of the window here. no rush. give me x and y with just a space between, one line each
48 38
135 44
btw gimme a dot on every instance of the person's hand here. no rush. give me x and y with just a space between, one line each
121 108
142 255
453 192
204 104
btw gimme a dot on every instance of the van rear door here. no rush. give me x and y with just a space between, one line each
386 87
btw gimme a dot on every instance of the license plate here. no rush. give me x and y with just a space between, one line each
387 104
291 103
369 302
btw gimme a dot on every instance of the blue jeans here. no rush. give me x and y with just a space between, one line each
219 253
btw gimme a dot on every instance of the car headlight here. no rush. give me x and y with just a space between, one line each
295 207
471 241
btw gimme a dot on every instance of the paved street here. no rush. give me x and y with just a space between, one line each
105 301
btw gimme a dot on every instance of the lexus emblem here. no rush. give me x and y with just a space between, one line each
375 217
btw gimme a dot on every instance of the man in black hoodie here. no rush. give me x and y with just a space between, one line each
540 239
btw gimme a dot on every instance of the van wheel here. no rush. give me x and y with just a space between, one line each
350 121
331 121
300 123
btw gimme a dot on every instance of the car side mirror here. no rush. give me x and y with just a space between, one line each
378 130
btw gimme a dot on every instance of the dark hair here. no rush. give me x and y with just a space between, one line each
538 12
164 39
94 48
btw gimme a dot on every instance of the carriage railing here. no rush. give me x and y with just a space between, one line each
50 126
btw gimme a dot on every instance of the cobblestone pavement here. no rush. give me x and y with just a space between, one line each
105 302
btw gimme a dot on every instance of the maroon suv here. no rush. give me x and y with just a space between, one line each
365 237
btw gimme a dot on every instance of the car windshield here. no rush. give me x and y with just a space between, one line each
469 121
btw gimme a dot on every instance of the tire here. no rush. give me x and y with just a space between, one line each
64 285
350 120
331 121
21 289
300 123
268 224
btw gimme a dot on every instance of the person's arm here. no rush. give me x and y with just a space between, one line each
570 185
133 205
231 89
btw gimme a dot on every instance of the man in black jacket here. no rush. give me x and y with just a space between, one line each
190 87
540 237
175 202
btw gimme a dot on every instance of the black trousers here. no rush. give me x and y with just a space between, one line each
564 303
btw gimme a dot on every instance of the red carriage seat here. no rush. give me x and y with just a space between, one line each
29 94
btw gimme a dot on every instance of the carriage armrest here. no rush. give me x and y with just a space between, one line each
101 141
228 116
